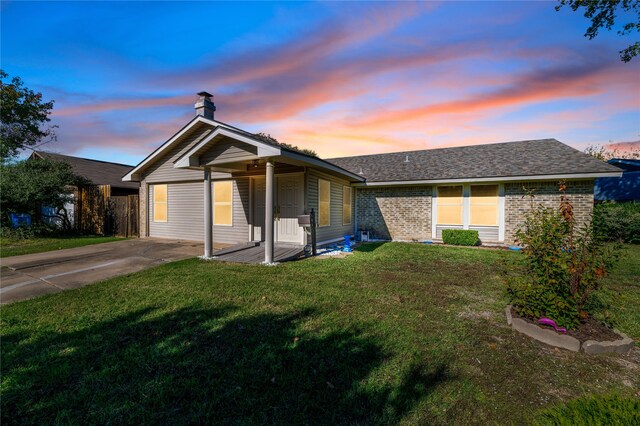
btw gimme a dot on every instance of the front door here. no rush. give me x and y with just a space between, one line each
258 208
290 204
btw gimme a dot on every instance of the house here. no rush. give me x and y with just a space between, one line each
213 182
625 188
93 204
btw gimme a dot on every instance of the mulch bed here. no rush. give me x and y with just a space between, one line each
589 329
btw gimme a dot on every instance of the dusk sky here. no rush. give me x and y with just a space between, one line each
339 78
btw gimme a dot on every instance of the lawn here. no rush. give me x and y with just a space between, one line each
395 333
16 247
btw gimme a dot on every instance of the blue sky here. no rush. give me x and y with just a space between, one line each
339 78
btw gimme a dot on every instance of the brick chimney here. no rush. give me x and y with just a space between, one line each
205 106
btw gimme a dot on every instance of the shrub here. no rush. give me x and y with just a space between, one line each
565 265
617 221
593 410
460 237
537 301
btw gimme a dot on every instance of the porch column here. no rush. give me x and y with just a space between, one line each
208 217
268 214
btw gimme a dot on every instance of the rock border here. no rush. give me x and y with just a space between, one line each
550 337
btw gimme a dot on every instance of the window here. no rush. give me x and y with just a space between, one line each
346 205
223 203
450 205
324 202
484 205
160 203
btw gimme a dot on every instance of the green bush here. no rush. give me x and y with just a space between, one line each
460 237
617 221
593 410
537 301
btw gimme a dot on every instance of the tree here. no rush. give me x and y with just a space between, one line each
23 116
603 13
605 154
30 184
270 139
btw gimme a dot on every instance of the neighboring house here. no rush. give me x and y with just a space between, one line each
624 188
90 211
213 182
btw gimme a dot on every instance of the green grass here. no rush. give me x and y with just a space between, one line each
11 247
622 291
395 333
589 411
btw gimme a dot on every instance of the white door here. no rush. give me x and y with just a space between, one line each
259 186
290 204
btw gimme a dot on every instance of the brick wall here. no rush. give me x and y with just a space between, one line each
397 213
517 203
143 209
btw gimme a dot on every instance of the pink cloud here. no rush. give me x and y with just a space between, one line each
120 104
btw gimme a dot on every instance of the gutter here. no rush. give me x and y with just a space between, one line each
489 179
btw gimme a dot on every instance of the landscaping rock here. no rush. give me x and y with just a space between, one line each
624 345
507 311
550 337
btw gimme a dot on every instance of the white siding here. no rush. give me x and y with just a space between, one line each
185 214
239 232
162 171
336 229
229 151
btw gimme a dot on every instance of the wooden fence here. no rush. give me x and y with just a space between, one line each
124 215
98 212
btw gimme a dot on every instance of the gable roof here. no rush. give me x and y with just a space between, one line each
532 158
98 172
214 128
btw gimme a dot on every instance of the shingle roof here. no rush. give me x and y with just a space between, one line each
509 159
98 172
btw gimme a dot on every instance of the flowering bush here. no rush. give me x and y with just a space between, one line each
565 265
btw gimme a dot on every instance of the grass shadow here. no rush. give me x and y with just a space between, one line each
200 365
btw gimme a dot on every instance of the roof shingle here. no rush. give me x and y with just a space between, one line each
508 159
98 172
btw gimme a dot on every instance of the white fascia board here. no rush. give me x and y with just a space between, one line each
317 162
492 179
134 174
191 158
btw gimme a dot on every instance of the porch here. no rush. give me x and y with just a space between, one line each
277 192
253 252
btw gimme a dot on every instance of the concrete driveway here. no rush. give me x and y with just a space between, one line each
32 275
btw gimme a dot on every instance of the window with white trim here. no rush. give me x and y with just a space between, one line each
223 203
160 203
324 202
346 205
483 205
450 205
